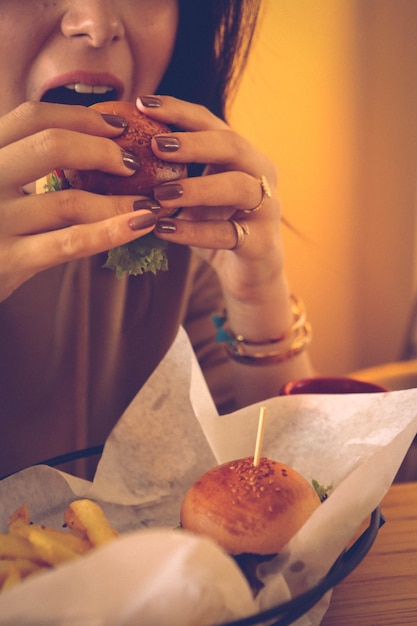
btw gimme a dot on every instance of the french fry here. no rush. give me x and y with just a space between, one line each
69 539
48 549
30 548
15 546
20 516
88 518
12 576
25 567
72 522
14 570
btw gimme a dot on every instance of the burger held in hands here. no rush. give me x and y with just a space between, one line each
135 141
251 511
146 253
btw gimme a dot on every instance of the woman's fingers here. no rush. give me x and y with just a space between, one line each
32 254
238 234
179 113
31 158
233 206
217 146
207 139
40 231
213 234
31 214
32 117
222 193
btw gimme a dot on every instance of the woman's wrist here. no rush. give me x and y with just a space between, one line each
268 312
268 351
279 361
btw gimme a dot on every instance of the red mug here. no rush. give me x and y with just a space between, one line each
328 385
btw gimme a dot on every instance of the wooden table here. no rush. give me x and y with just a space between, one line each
382 590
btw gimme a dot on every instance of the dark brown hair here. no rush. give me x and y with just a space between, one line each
212 45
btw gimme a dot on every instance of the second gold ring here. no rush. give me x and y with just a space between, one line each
241 230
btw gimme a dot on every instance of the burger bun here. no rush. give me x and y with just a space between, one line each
136 139
247 508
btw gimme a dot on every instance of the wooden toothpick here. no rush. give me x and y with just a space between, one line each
259 436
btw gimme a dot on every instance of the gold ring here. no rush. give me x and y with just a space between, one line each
241 230
266 193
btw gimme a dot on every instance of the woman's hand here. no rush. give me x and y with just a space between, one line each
40 231
249 267
229 189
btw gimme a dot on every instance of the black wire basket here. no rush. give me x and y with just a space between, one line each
287 612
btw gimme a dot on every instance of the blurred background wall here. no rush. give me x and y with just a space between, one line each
330 94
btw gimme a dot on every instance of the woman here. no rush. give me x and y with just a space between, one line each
76 343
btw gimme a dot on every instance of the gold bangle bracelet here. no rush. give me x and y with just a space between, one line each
299 317
269 351
297 345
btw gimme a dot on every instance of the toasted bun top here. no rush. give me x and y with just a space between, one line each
249 509
136 139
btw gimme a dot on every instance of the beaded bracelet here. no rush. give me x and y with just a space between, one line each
269 351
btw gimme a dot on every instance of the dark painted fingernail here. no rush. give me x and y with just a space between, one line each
131 161
143 221
167 143
165 227
152 102
115 120
148 204
169 191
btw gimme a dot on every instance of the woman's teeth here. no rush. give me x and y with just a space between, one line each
82 88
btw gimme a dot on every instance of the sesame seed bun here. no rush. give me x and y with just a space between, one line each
136 139
248 509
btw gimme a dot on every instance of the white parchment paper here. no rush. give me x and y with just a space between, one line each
170 435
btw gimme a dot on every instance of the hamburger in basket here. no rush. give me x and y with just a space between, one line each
250 508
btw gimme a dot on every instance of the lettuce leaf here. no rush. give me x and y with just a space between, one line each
146 254
321 490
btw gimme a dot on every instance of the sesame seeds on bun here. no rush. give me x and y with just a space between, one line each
248 509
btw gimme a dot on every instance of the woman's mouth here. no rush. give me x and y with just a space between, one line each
80 93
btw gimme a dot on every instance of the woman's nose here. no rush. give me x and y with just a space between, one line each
98 21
